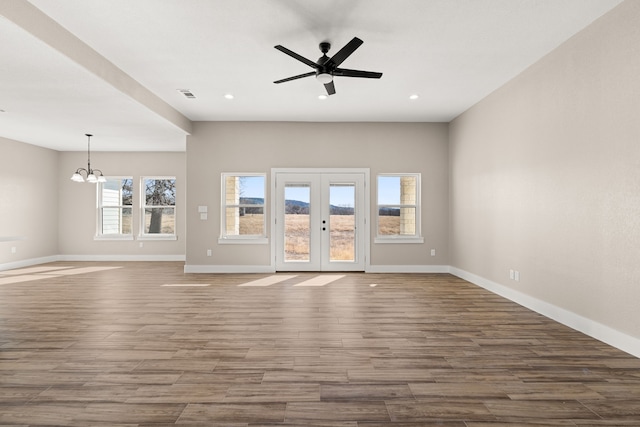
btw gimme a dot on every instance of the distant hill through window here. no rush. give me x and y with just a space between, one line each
296 207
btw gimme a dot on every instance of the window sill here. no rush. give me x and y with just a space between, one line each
403 240
114 237
158 237
243 241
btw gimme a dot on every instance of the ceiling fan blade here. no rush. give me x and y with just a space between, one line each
296 56
288 79
344 72
344 53
331 89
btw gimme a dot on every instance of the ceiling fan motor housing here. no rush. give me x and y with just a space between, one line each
324 47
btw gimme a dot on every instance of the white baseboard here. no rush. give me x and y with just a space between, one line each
268 269
588 327
240 269
28 262
407 269
53 258
121 258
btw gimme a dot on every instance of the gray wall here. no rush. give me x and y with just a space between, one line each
28 202
214 148
78 205
545 178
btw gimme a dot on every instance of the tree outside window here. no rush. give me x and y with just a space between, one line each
159 207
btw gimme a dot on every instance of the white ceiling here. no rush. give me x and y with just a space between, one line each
452 53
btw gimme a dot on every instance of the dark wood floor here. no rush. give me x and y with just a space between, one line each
88 346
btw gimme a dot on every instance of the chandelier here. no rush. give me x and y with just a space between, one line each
90 175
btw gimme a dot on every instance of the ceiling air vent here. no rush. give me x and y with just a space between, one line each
187 93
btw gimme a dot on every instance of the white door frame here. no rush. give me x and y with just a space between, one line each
366 209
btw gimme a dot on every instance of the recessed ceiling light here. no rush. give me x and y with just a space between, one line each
228 96
413 97
322 97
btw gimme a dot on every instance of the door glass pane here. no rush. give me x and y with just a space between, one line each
297 227
342 224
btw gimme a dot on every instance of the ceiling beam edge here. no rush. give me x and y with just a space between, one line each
43 27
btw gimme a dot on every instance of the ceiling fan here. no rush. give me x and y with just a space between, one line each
326 68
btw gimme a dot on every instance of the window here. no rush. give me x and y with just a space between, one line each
159 207
243 201
115 209
398 218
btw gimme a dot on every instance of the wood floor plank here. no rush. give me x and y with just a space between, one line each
304 412
107 344
355 392
233 412
273 393
438 409
527 410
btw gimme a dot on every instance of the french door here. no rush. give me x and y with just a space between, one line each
320 221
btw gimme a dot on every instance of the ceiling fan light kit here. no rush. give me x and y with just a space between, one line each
327 68
324 78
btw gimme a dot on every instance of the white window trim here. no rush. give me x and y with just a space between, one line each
99 235
143 206
243 240
399 239
158 237
113 237
225 239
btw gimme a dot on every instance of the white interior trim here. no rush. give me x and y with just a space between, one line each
622 341
407 269
28 262
239 269
121 258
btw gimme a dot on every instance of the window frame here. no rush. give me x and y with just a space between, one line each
142 235
99 206
225 238
399 238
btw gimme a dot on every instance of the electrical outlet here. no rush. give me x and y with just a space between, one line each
208 252
433 252
517 276
14 249
511 274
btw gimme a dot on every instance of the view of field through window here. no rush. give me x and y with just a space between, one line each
341 223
